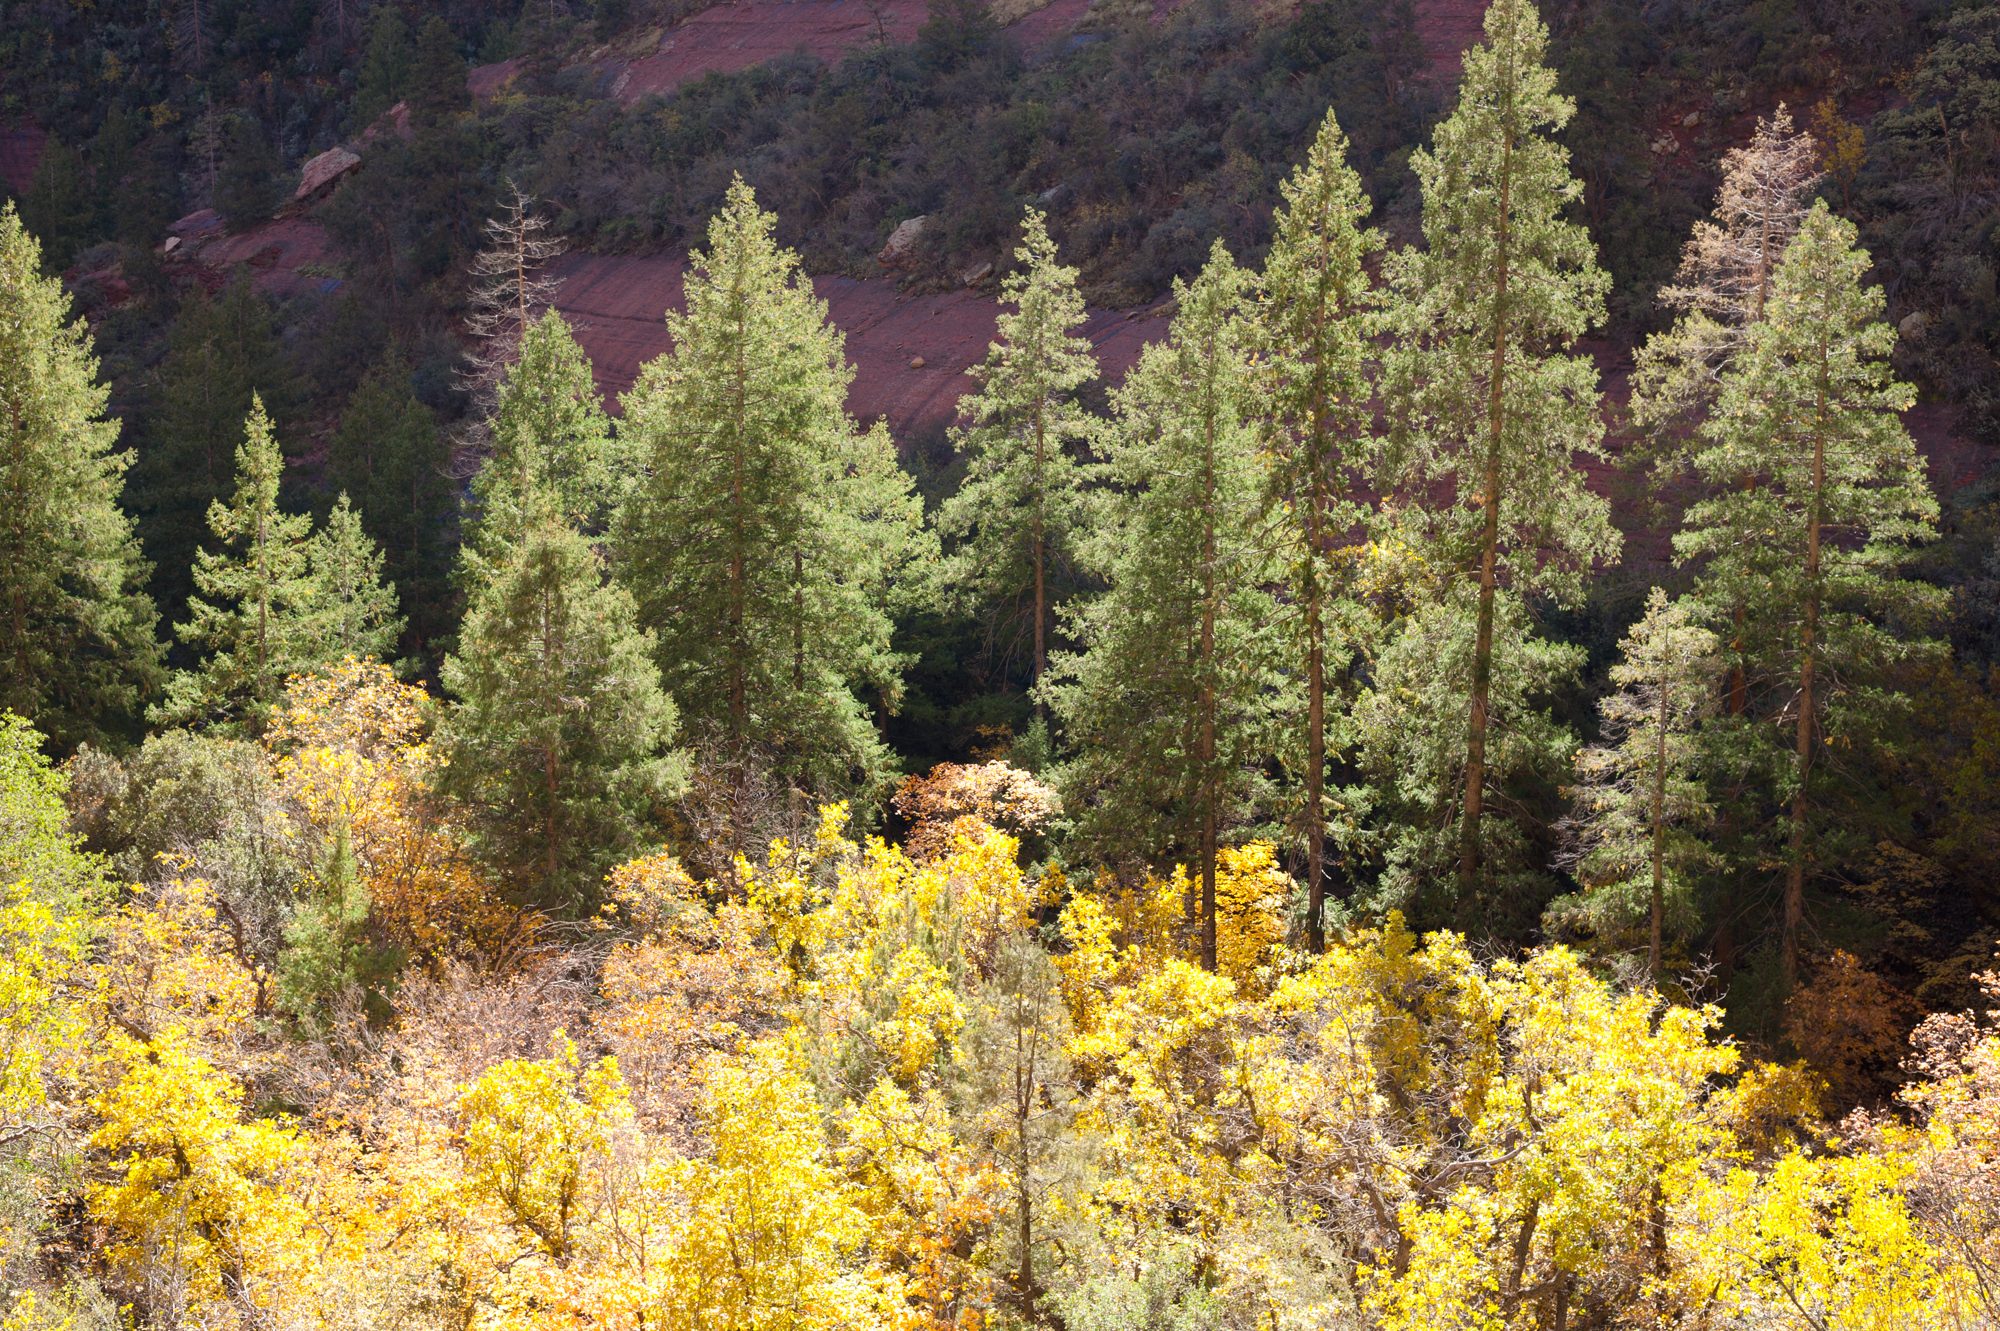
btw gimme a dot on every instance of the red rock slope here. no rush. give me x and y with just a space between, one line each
618 305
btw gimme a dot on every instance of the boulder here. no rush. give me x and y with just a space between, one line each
974 276
902 242
322 173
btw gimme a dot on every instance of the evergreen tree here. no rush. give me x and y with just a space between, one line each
1314 323
80 650
771 534
1642 799
385 68
251 597
437 75
220 352
1492 415
1725 274
348 609
555 746
550 442
56 207
249 185
1014 524
1409 727
391 456
1721 290
1810 411
1169 707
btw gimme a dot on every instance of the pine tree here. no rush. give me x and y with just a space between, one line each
248 187
385 68
348 610
390 454
511 287
437 75
550 441
1169 707
1314 322
771 535
556 745
219 354
57 205
251 596
1014 523
80 649
1725 274
1810 411
1642 800
1724 282
1491 411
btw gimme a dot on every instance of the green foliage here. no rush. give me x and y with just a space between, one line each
350 610
57 205
771 534
80 652
556 746
386 66
391 456
250 183
1014 523
220 353
1491 414
550 444
1643 801
437 74
1314 323
1809 555
1170 708
253 596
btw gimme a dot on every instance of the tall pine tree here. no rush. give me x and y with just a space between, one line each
556 744
1169 707
80 652
770 535
1810 411
1014 524
1492 413
1314 321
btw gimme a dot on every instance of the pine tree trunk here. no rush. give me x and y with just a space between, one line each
1205 754
1795 870
1489 546
1315 770
1659 838
1040 552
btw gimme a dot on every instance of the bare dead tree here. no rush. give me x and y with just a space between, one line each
510 287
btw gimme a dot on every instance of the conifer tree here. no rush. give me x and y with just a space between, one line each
556 744
1725 274
56 207
251 597
391 456
1810 411
385 68
1491 410
1642 798
437 75
1014 524
511 286
550 442
1315 318
771 534
349 610
1169 706
1724 282
80 650
219 353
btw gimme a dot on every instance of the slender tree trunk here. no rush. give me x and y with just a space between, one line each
1315 763
1489 548
1024 1104
798 619
1040 538
1795 870
1659 838
1205 752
